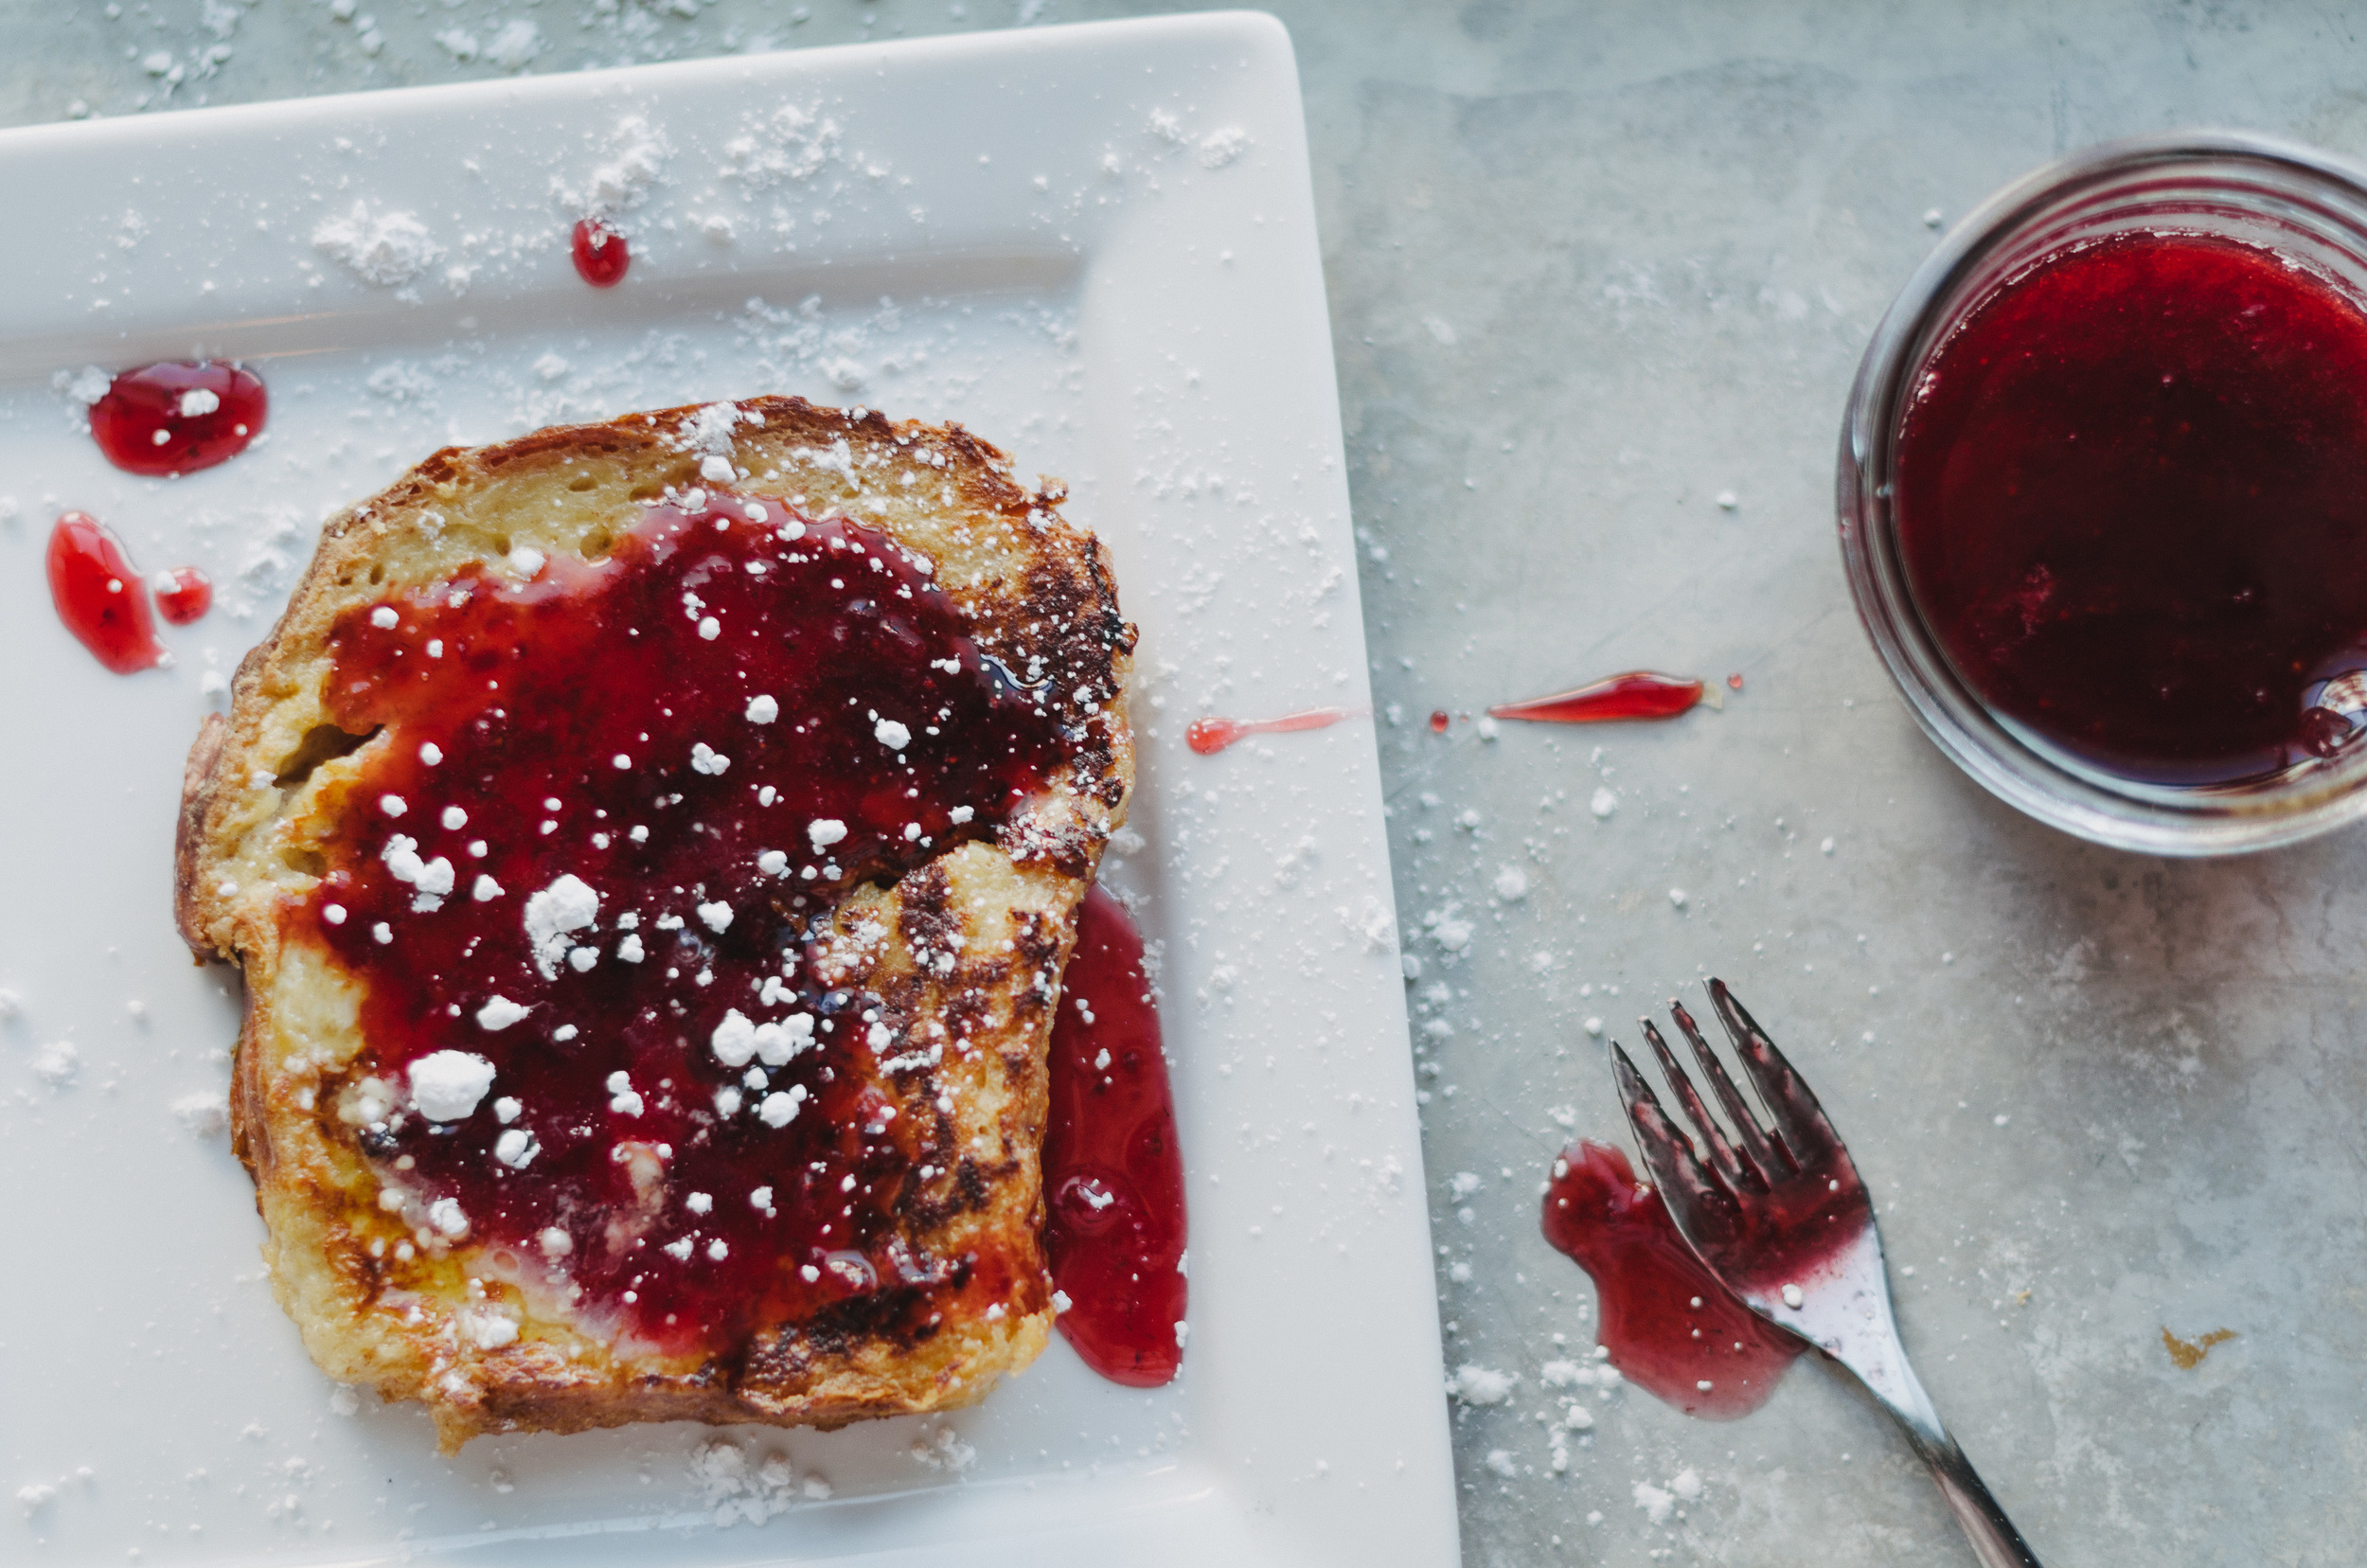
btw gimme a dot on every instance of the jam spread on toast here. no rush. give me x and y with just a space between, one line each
582 880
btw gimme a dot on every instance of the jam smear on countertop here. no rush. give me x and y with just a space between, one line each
2132 501
184 593
1113 1169
1638 694
98 595
1669 1326
179 416
589 848
1210 735
601 253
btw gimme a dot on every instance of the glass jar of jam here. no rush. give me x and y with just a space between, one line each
2103 493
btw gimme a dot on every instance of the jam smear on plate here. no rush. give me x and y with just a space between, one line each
580 873
1671 1329
1113 1169
1210 735
98 595
2132 502
178 416
601 253
1638 694
184 593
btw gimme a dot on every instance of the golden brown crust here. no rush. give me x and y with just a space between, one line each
994 922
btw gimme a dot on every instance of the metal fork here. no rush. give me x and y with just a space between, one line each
1779 1215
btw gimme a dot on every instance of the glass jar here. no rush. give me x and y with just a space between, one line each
2255 189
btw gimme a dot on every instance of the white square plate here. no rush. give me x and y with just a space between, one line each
1095 245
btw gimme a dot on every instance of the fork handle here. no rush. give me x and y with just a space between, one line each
1995 1541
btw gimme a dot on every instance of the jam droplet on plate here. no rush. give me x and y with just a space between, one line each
599 807
1439 720
1210 735
98 595
178 416
1113 1171
1638 694
2131 497
601 253
184 593
1670 1326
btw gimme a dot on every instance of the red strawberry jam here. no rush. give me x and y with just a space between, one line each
2132 499
101 599
600 254
1671 1329
1113 1171
184 593
179 416
580 881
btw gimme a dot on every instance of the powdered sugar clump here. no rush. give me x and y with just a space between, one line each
793 144
636 155
739 1487
1475 1384
206 1113
56 1064
386 248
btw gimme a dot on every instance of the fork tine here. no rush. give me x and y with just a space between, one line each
1773 1160
1806 1133
1684 1185
1736 1174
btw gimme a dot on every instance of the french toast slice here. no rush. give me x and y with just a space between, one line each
703 1077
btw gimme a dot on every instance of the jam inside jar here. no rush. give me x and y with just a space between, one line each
2131 503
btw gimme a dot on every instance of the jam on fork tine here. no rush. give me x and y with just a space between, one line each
1787 1225
1741 1173
1684 1185
1798 1118
1767 1151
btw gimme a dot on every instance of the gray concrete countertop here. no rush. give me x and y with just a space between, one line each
1590 269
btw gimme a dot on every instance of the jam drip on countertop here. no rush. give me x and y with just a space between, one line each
1638 694
178 416
1113 1169
600 254
589 848
2132 499
1669 1326
98 595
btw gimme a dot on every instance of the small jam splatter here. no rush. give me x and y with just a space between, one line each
184 593
1638 694
1439 720
101 599
601 253
178 416
1113 1171
1671 1329
1734 682
1210 735
590 830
